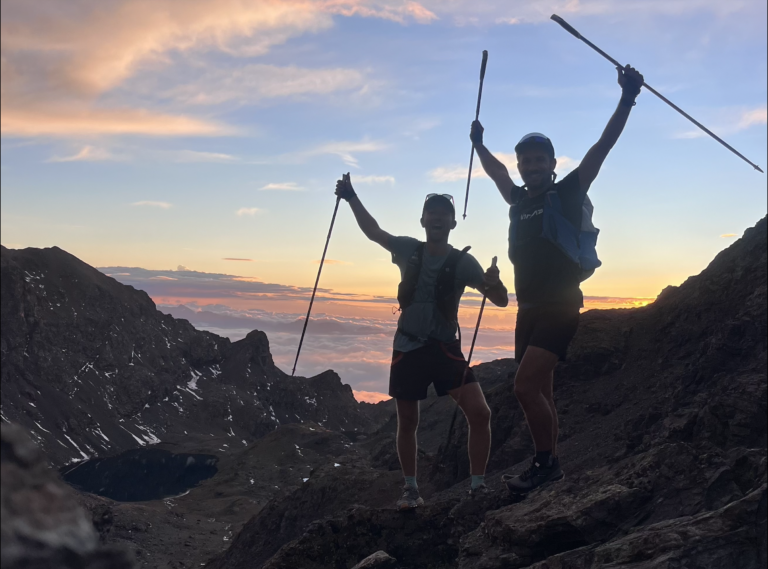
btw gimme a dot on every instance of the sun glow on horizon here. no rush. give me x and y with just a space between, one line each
370 396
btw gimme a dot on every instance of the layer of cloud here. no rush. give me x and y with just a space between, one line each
346 150
753 117
247 211
198 156
63 121
455 173
252 83
282 187
361 345
88 154
57 64
149 203
237 259
60 65
729 121
729 235
374 180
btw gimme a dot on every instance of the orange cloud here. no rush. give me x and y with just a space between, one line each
56 64
370 396
20 120
332 262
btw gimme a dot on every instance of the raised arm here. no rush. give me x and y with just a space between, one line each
493 167
631 81
364 219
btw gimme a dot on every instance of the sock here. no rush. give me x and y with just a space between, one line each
543 457
477 480
411 481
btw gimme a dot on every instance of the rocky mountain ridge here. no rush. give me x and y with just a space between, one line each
90 367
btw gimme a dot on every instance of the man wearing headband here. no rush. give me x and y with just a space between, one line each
546 278
426 349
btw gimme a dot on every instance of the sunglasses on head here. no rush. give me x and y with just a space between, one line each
446 196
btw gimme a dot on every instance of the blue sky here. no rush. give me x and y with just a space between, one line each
164 134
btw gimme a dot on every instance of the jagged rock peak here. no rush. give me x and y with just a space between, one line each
91 367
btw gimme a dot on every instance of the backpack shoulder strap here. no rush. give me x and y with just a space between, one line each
406 290
445 285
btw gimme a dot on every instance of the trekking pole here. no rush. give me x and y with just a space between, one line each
466 369
477 116
570 29
317 280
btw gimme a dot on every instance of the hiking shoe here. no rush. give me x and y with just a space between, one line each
480 491
534 476
410 499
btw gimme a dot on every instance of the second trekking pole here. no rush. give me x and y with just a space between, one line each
466 369
317 280
477 116
571 30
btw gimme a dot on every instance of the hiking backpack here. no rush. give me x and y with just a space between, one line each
446 299
578 244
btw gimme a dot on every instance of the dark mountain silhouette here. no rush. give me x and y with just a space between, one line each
91 367
662 412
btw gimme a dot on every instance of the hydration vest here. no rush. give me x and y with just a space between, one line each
446 299
578 244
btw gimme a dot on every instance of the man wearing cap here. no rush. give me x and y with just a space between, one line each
546 279
426 349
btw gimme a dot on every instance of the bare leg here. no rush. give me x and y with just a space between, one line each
478 416
548 393
534 373
407 424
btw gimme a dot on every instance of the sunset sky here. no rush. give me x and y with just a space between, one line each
191 147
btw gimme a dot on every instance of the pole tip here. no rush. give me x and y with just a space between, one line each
759 170
464 216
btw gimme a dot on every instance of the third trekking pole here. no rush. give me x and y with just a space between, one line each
466 369
477 116
317 280
571 30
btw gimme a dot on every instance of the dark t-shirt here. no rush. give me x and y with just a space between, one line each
544 274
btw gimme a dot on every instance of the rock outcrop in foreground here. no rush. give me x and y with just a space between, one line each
663 441
90 368
42 524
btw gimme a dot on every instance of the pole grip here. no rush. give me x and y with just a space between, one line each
493 261
482 66
566 26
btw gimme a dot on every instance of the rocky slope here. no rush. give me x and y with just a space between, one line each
663 440
91 367
42 524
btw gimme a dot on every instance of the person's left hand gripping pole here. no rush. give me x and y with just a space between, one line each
345 179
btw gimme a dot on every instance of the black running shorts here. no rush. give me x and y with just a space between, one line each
438 363
550 327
